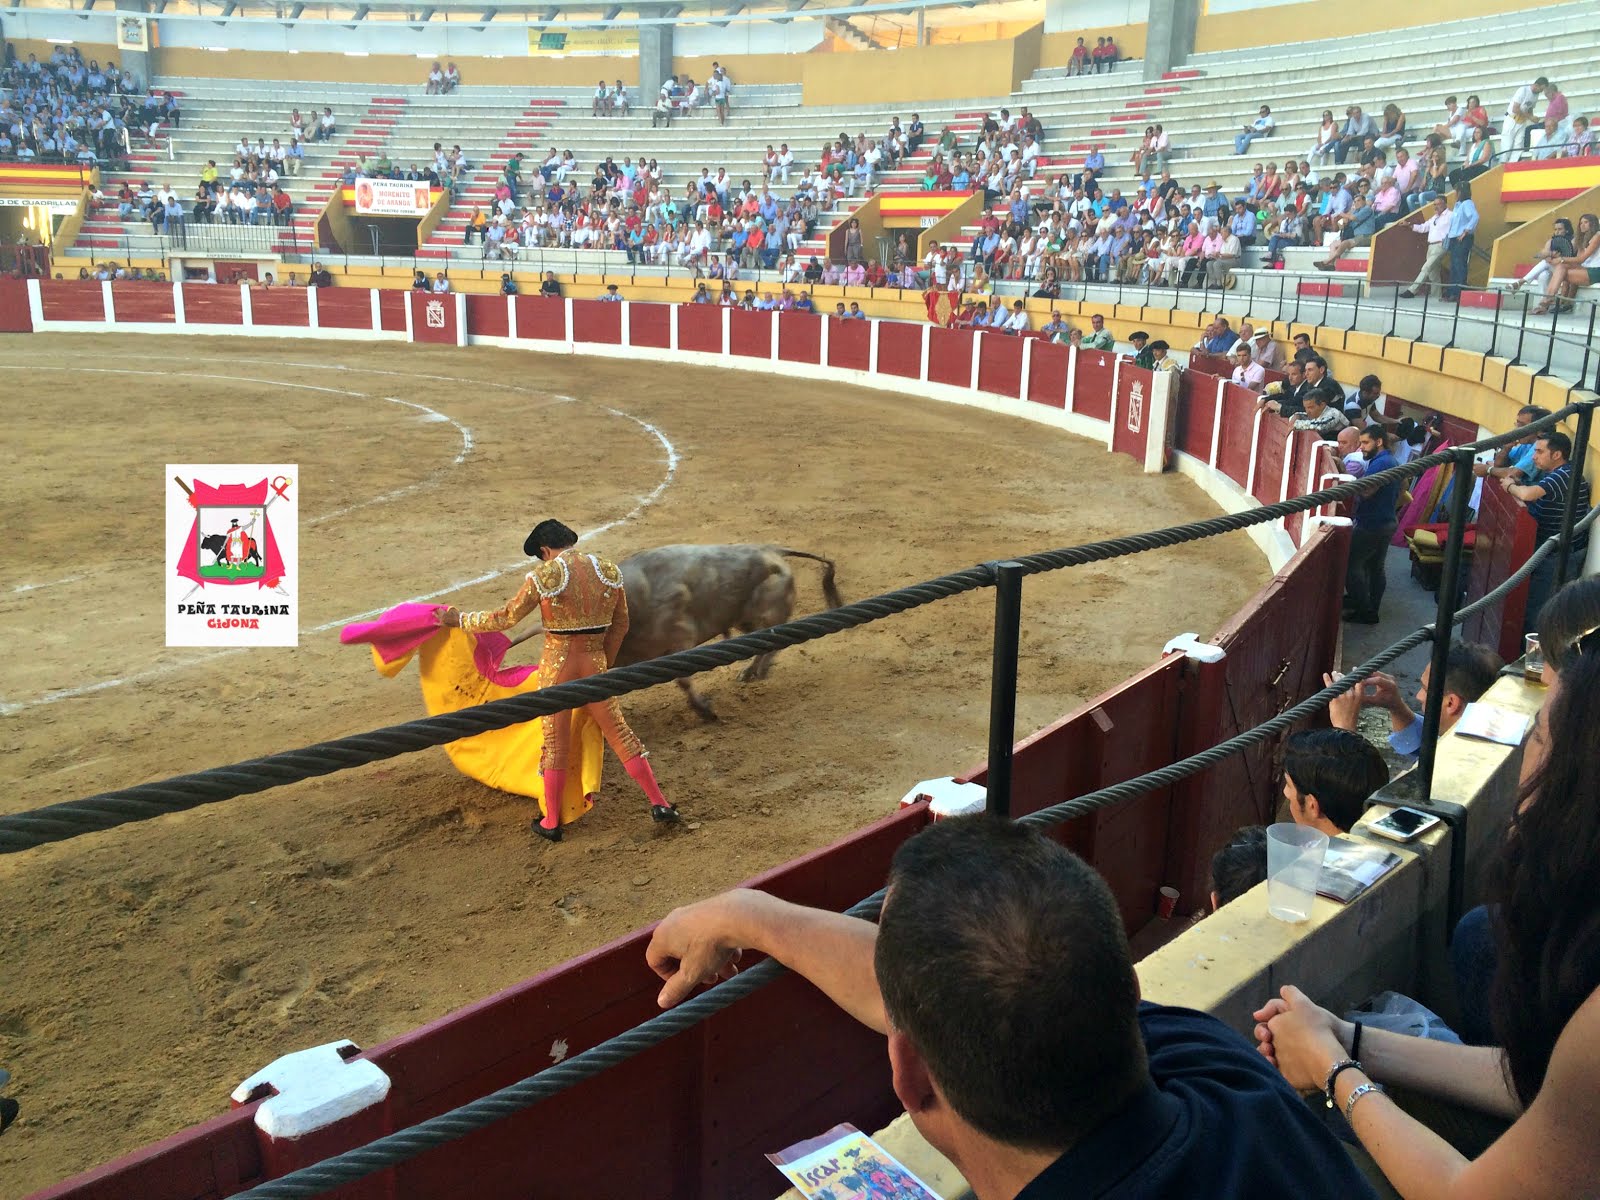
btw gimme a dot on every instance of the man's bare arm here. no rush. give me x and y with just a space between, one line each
701 943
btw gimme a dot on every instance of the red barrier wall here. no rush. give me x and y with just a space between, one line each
750 333
1047 374
488 316
149 303
799 337
542 319
850 344
1504 538
207 304
392 311
1130 432
1091 387
598 321
351 308
1000 364
71 300
899 349
950 357
700 328
283 306
433 318
1196 411
15 314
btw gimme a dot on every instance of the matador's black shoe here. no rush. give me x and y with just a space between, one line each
661 813
549 835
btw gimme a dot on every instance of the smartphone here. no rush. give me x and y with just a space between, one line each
1403 824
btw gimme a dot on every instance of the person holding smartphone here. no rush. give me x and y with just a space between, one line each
1470 668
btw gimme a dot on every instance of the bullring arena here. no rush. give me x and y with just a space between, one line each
395 929
362 905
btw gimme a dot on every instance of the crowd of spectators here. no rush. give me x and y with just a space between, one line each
71 110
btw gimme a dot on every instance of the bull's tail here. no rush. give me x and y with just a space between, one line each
830 590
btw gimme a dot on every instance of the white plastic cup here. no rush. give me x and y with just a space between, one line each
1294 864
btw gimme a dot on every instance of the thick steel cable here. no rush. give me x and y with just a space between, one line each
142 802
406 1144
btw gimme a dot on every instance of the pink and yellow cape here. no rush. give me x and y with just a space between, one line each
460 670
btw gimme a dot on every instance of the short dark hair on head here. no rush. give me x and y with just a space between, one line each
1533 411
1376 431
1318 360
549 533
1371 381
1558 442
1470 668
1341 769
1239 865
1002 956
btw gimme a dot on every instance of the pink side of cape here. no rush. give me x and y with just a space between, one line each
403 628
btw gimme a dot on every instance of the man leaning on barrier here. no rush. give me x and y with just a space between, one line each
1018 1042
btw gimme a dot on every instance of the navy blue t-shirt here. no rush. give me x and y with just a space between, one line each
1377 510
1218 1123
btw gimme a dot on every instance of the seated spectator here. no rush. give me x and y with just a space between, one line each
1218 338
1546 502
1265 351
1078 63
1099 337
1534 1091
1328 774
1246 371
452 78
1017 322
1348 447
1073 1087
1105 55
1056 328
419 281
1358 127
1140 341
855 313
1239 866
1515 462
435 79
1470 670
1261 127
1393 130
1321 415
441 285
1579 269
1557 247
508 285
327 126
321 277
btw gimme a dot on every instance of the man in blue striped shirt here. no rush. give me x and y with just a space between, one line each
1547 505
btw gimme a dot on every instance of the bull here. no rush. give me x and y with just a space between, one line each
217 544
682 596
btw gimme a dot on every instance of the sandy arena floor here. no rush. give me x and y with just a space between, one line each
147 970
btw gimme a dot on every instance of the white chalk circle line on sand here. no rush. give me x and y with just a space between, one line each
11 707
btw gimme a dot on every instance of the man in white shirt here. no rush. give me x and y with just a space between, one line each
441 285
1518 122
1437 226
781 164
1017 322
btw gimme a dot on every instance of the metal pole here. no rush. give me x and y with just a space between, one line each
1444 619
1003 688
1580 446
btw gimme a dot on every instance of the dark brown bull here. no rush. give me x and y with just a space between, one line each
682 596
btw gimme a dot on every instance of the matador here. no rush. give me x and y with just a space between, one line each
585 611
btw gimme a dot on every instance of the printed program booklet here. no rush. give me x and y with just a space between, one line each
1350 868
1492 723
845 1164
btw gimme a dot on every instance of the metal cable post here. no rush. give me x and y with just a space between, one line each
1444 621
1003 686
1580 447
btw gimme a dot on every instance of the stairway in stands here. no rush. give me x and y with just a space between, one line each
525 134
366 139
